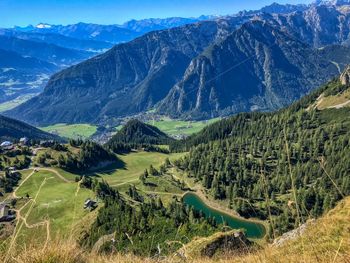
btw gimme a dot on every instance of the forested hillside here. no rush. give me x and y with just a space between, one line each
14 130
138 134
143 227
284 167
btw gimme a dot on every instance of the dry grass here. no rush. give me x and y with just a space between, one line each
333 101
327 240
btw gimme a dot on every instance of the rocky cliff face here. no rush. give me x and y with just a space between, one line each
258 67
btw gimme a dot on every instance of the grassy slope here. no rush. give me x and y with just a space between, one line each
176 127
61 204
327 240
57 201
8 105
333 101
134 165
73 131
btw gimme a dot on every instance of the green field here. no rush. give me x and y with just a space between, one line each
14 103
58 204
72 131
177 127
56 201
132 166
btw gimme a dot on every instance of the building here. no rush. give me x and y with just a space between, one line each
90 204
6 145
24 141
4 212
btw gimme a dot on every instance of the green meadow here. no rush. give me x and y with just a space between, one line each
8 105
51 200
177 127
71 131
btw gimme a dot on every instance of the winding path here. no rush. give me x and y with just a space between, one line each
55 172
23 219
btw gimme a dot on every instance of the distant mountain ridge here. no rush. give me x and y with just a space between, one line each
111 33
46 52
59 40
26 65
65 46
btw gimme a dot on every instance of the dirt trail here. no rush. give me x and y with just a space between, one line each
55 172
162 193
341 105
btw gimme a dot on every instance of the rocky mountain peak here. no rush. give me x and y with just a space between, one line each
333 2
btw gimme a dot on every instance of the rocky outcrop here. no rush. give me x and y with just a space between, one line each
221 242
236 241
292 235
345 76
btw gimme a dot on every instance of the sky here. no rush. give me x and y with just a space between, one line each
25 12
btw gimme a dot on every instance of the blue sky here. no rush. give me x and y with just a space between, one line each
24 12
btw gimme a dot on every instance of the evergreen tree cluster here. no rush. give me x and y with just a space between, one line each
147 228
90 155
285 167
136 135
9 181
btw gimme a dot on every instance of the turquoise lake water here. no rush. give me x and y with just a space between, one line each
252 229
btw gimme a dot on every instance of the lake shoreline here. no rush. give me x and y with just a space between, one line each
227 212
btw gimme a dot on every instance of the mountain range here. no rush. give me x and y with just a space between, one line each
110 33
254 60
258 67
245 62
65 46
26 65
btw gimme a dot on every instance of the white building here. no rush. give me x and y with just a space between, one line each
6 145
24 141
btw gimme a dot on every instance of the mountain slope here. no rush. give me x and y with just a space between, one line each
106 33
13 130
127 79
58 40
9 59
22 75
229 127
152 24
319 25
280 163
258 67
159 69
46 52
137 132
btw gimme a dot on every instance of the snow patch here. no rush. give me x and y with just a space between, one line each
7 69
96 33
41 26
